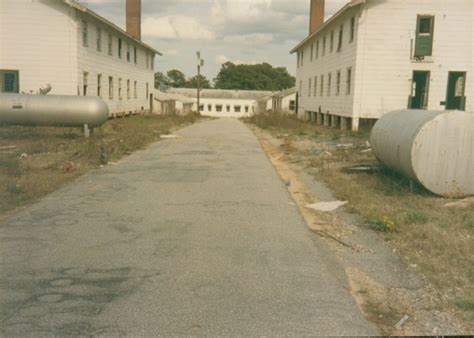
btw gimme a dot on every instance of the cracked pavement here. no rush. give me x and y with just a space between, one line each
194 236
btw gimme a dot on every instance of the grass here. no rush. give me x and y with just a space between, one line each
438 240
57 156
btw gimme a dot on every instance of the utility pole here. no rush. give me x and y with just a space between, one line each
200 64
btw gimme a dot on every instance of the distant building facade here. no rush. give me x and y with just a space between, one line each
224 103
372 57
76 51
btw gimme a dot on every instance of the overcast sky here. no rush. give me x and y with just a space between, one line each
241 31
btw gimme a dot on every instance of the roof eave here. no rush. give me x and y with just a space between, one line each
349 5
84 9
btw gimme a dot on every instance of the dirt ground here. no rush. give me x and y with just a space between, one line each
35 161
433 240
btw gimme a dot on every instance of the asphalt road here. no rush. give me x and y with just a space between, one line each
196 236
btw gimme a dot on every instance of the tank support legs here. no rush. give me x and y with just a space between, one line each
87 131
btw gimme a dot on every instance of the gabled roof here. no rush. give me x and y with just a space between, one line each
351 4
84 9
164 96
221 93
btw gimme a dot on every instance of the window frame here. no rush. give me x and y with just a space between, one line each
99 39
16 84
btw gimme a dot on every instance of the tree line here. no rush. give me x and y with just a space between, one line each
231 76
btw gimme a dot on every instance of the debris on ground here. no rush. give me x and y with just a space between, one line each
23 156
401 322
6 148
367 169
462 204
326 206
368 150
345 146
169 137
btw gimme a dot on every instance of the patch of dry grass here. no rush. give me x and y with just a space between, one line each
435 240
56 156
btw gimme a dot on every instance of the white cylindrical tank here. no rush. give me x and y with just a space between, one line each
435 148
53 110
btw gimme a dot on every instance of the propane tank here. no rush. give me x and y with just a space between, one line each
53 110
435 148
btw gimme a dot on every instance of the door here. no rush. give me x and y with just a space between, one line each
420 90
455 99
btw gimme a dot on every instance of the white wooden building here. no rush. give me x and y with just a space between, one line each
77 52
373 56
285 101
224 103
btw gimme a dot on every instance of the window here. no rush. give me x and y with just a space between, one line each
128 89
317 49
321 86
109 44
120 48
152 63
201 107
120 89
218 108
302 58
338 82
111 88
331 45
135 55
309 87
128 52
135 92
311 56
292 105
85 36
424 36
146 60
99 85
297 59
209 107
85 80
348 81
315 93
237 109
246 109
324 46
147 90
352 34
227 108
341 33
9 81
301 87
329 84
99 40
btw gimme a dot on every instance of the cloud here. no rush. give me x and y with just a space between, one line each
250 39
176 27
221 59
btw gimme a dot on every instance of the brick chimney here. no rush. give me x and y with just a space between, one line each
134 18
316 15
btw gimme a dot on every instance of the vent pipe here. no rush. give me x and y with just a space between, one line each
134 18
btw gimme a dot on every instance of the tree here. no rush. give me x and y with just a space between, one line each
176 78
193 82
253 77
161 80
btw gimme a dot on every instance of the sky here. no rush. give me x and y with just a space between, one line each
240 31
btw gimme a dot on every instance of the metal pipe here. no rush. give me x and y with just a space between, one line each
436 148
53 110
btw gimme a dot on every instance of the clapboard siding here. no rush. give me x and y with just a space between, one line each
389 30
100 62
39 40
43 40
331 62
381 59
